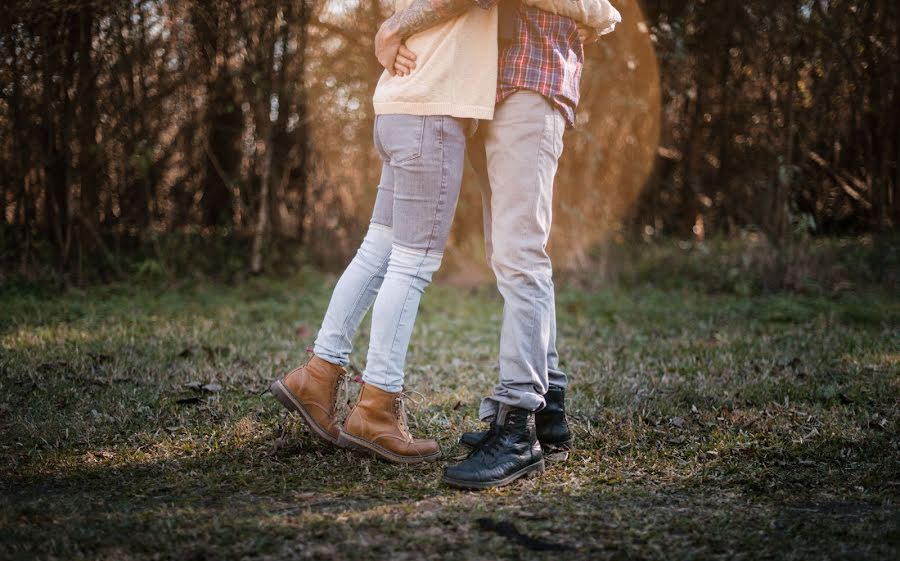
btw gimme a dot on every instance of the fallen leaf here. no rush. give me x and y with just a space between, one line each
574 308
560 456
105 416
213 387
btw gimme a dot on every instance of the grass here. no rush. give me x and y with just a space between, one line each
708 425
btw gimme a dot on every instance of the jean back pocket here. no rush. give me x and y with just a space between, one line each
401 136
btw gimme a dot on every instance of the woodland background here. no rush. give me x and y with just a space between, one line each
141 135
726 261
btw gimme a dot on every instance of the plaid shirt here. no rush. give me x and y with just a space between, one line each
545 56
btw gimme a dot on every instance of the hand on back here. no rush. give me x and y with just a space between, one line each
393 53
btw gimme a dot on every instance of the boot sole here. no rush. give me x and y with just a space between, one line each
346 440
287 399
555 453
532 470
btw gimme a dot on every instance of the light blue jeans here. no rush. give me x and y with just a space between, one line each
420 180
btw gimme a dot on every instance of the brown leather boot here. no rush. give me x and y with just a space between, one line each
377 425
311 390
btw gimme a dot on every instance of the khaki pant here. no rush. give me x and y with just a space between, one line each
515 157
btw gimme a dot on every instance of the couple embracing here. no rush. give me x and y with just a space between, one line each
499 81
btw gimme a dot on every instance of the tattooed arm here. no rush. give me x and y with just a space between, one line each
422 14
418 16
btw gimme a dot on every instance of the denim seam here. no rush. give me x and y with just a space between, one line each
441 193
533 277
555 147
556 150
416 250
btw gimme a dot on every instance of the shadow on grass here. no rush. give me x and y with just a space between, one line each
309 499
744 474
220 499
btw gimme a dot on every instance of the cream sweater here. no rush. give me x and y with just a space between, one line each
456 70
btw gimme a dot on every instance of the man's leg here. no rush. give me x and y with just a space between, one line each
478 160
522 146
556 377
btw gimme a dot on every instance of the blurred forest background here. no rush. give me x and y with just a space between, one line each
147 134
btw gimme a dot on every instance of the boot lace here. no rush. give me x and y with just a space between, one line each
341 386
487 444
400 409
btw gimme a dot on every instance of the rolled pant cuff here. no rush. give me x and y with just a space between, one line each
561 382
327 356
383 387
489 405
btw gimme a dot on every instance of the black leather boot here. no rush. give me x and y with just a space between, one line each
552 428
509 451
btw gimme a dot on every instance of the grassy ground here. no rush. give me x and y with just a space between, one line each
708 426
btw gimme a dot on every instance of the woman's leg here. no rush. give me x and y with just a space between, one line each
359 284
311 390
427 156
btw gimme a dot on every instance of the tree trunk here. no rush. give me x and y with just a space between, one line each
89 218
58 32
268 129
302 134
223 120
